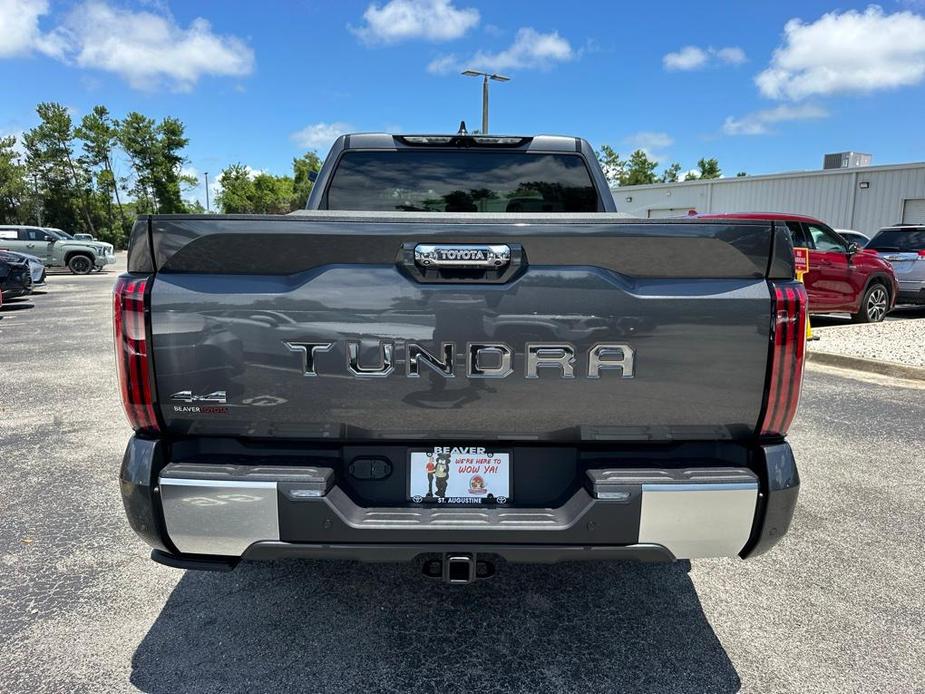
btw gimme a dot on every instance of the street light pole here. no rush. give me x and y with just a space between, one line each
485 77
485 104
207 191
38 201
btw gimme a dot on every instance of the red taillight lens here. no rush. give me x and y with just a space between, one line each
922 253
788 354
132 352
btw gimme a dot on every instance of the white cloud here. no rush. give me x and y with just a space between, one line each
530 49
761 122
145 48
649 140
733 55
847 52
444 64
399 20
148 49
688 58
652 143
320 135
694 57
19 27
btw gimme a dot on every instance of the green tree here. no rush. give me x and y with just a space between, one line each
302 183
155 151
244 192
709 168
168 176
272 194
236 194
50 155
99 134
137 136
195 207
613 166
741 174
670 175
640 170
13 186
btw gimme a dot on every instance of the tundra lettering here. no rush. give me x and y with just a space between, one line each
538 355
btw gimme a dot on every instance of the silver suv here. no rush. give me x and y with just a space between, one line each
903 246
57 248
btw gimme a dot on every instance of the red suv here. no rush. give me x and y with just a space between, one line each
842 278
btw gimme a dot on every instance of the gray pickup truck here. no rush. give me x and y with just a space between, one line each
57 248
459 353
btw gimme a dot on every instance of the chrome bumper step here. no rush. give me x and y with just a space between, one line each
225 509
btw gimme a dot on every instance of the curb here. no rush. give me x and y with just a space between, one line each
884 368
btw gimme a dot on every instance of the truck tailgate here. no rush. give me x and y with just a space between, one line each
254 320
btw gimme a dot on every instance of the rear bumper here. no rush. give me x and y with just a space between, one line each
15 288
199 516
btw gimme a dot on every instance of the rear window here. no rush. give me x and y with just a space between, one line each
902 240
461 181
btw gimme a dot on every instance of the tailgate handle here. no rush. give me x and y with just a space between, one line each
461 263
469 256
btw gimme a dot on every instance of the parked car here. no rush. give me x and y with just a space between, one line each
903 246
36 266
57 248
83 237
15 277
842 277
852 236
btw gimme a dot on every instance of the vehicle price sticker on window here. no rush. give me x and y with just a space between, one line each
801 260
459 475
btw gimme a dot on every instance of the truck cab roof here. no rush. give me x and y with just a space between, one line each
546 143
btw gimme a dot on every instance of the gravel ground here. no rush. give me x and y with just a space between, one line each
838 606
897 341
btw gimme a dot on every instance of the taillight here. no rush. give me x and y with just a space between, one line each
922 253
132 349
788 354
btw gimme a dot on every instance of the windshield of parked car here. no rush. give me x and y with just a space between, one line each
60 234
851 237
902 240
461 181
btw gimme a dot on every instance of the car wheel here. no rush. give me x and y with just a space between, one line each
80 264
874 305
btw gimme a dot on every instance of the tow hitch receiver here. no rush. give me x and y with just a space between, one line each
458 568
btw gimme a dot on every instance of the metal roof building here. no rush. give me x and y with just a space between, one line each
861 198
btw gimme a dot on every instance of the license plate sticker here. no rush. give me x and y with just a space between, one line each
459 475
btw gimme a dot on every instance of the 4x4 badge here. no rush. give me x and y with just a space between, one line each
217 396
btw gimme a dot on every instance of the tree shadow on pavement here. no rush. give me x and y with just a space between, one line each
346 627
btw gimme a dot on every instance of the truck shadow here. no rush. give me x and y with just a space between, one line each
338 626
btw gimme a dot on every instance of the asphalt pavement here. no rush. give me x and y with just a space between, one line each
839 605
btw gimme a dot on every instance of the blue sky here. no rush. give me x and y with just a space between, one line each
763 87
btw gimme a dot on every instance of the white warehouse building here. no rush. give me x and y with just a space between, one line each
863 198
